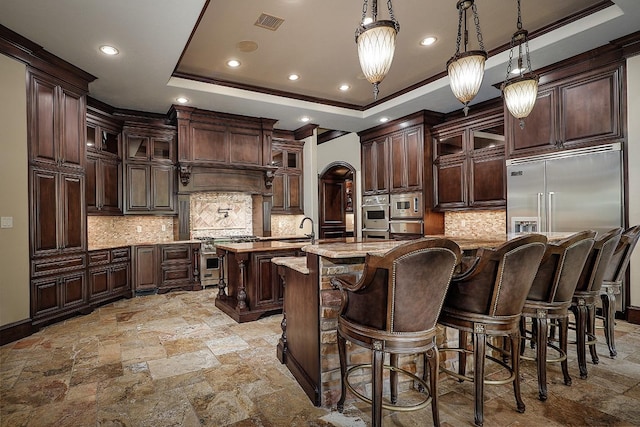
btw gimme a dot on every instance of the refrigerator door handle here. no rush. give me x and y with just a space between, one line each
539 225
550 211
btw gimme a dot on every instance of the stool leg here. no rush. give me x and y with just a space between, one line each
462 356
580 313
563 326
393 379
515 365
541 356
342 354
608 311
376 375
479 351
433 359
591 332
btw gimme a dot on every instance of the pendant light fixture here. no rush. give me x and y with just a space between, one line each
466 68
376 41
520 88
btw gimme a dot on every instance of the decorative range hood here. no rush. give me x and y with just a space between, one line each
220 152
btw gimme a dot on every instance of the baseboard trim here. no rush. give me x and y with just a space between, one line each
15 331
633 315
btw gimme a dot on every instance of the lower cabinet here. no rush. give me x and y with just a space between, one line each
109 274
163 267
179 266
58 288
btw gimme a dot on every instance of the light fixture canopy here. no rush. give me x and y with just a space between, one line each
520 89
376 43
466 69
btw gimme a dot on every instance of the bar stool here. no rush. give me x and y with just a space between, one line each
394 308
549 299
583 304
486 301
612 283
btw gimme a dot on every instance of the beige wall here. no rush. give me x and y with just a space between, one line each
347 149
14 242
633 159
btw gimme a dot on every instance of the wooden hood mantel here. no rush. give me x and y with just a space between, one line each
223 152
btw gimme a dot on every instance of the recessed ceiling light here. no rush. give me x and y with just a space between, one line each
108 50
293 77
428 41
182 100
344 87
383 119
233 63
305 119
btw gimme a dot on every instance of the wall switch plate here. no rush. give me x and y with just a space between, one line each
6 222
164 227
139 229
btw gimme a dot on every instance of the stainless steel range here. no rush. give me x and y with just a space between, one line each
211 265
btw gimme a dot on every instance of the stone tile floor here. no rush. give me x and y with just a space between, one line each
176 360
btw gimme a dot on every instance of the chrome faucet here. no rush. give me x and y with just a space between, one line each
312 235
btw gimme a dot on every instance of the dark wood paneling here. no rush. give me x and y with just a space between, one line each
451 185
487 181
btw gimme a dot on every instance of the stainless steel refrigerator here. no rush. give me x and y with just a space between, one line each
571 190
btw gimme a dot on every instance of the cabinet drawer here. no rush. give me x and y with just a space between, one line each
120 254
175 253
175 275
45 266
98 257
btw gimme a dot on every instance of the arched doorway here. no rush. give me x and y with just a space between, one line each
336 208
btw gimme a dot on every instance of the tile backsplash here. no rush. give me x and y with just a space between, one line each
129 230
220 214
288 225
475 223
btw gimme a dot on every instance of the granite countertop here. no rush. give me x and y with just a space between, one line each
262 246
352 248
121 245
298 263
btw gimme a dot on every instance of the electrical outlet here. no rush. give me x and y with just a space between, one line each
463 223
164 227
139 229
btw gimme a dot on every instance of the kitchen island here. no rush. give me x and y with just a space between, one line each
308 345
251 288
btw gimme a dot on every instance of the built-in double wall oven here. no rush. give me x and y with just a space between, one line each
375 217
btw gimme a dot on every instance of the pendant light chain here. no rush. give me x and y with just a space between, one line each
476 21
393 18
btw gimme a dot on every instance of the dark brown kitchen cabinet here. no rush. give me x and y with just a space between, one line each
150 188
58 287
103 185
150 176
179 266
469 162
56 122
58 223
406 154
375 166
571 111
163 267
145 267
56 126
103 164
287 183
109 274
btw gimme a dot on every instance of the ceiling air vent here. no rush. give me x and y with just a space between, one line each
269 22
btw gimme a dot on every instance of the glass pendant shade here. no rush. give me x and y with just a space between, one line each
520 95
466 71
376 46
